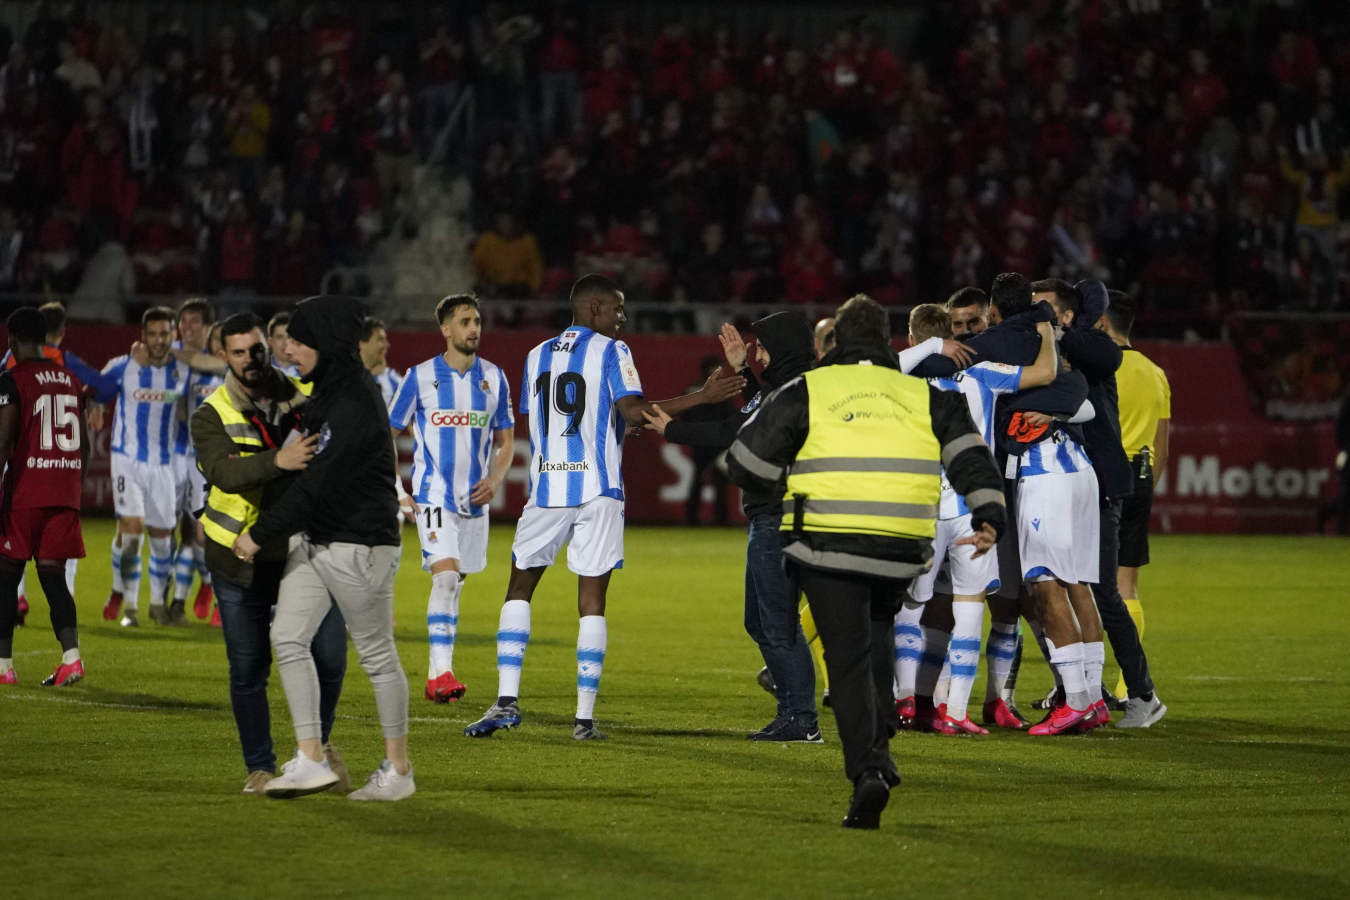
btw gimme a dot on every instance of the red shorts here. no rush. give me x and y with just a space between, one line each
41 532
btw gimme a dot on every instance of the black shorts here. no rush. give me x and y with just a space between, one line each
1134 516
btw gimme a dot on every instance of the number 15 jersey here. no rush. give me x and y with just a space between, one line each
572 383
45 467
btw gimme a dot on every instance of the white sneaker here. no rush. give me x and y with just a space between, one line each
301 776
385 784
1141 713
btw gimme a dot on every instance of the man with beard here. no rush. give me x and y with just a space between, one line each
786 350
240 433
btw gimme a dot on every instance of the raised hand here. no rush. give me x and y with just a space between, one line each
733 346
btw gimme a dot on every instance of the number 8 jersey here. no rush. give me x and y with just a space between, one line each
572 383
44 461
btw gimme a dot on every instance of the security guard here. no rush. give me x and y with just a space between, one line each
240 433
864 448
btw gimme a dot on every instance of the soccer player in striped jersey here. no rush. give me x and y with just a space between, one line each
150 405
374 348
581 393
944 613
459 407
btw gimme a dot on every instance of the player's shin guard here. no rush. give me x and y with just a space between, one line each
592 638
442 621
908 648
1067 661
161 567
963 655
130 568
998 657
513 633
184 568
1094 660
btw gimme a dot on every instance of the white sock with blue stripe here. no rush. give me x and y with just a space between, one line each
184 568
117 562
592 639
963 655
161 567
443 621
998 658
199 560
130 568
908 648
513 633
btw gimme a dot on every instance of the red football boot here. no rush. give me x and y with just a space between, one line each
113 606
444 688
904 712
997 713
10 677
1097 715
948 725
1062 720
201 606
65 675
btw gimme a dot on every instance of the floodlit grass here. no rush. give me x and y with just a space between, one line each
127 784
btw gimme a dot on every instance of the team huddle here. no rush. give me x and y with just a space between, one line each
229 441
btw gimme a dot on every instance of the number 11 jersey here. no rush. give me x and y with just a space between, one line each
572 385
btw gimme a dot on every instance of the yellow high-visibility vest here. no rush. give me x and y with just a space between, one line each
870 463
226 516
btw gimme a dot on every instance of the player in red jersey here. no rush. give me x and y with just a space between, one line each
44 442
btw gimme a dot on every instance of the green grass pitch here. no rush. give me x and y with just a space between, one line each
127 784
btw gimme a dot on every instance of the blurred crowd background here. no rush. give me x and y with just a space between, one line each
1192 153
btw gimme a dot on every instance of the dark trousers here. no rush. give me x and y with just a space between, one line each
246 620
772 622
1116 622
855 616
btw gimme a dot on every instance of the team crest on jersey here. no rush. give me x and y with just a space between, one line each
484 386
753 404
325 435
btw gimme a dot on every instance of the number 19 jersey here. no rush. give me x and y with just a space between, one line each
572 383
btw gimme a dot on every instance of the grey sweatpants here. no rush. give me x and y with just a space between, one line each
360 580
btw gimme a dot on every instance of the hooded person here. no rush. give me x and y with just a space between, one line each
786 349
341 517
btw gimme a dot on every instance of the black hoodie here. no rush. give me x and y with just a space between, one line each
347 493
787 336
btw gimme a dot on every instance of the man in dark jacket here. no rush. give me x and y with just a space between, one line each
861 447
344 509
785 348
246 458
1092 352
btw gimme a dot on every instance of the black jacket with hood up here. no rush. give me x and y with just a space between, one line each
347 493
787 336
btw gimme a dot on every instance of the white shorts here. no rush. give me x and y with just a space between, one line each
143 490
445 534
190 482
954 571
592 531
1058 525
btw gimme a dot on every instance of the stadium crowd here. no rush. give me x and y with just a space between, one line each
1191 153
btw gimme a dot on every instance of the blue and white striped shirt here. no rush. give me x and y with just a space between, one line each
149 408
572 383
388 380
1058 454
981 385
200 385
453 418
